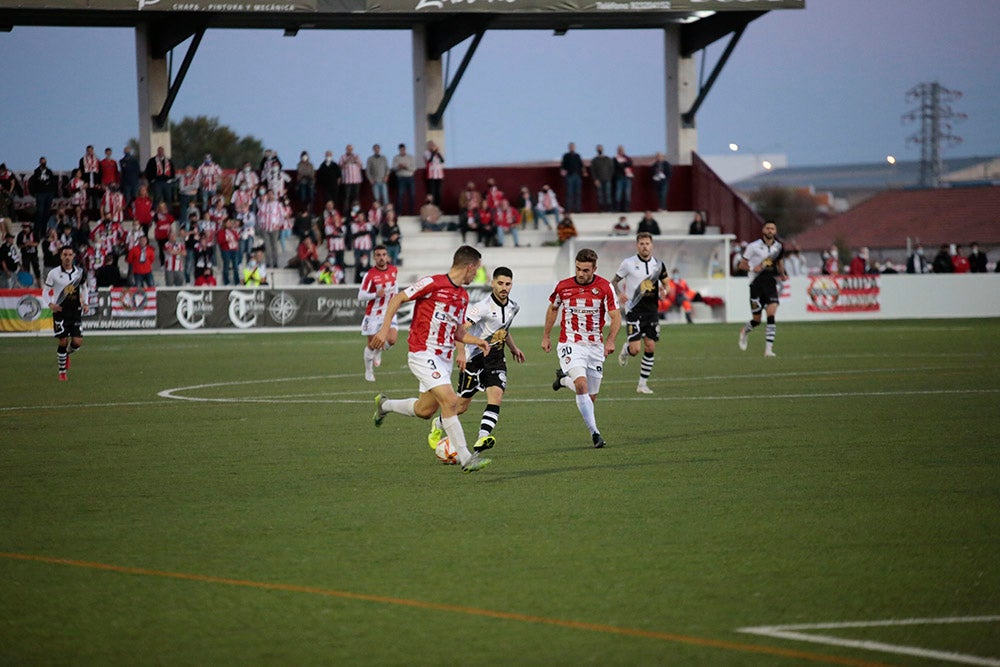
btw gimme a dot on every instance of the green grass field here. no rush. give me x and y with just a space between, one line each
225 499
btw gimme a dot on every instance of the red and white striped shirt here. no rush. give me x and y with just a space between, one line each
270 215
435 165
333 230
584 309
209 229
242 200
361 233
209 176
375 278
350 167
175 260
439 308
113 204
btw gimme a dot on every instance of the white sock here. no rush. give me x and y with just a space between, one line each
401 406
377 358
586 407
369 357
457 438
437 423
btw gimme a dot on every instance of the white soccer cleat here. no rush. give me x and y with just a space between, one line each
743 340
770 353
643 389
369 376
623 355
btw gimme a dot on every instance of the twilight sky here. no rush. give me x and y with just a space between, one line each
825 85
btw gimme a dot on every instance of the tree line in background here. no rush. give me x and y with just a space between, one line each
192 138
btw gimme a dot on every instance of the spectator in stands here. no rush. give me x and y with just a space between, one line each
269 162
566 229
328 177
270 220
305 181
977 259
526 207
831 261
434 163
192 238
10 261
351 169
697 226
109 170
493 194
176 252
303 226
917 262
621 228
468 220
391 235
308 260
547 205
140 261
163 222
246 178
160 173
860 264
206 278
27 243
334 232
377 174
50 249
403 167
362 233
209 180
113 204
330 273
942 261
486 232
602 169
128 167
228 241
255 273
507 221
90 170
77 197
430 216
470 195
361 267
43 187
572 171
735 261
795 265
277 180
661 179
623 176
246 222
648 224
9 188
959 261
108 274
189 183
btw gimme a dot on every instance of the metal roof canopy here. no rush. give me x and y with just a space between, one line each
161 25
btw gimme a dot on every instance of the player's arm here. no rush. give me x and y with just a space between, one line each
744 264
782 275
616 324
514 349
378 340
363 293
84 297
462 335
622 298
49 297
550 320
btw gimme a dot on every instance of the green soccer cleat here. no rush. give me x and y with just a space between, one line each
475 464
379 415
484 443
434 437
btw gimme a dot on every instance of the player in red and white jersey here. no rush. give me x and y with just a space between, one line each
377 288
438 323
587 301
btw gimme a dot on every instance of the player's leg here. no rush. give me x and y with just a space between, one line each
575 361
646 366
62 355
75 343
755 309
769 330
369 357
390 340
468 386
447 401
585 402
490 418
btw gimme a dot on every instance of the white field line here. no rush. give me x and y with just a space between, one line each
792 632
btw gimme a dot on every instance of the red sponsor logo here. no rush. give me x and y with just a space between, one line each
843 294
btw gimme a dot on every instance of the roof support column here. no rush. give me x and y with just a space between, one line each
153 84
682 91
428 91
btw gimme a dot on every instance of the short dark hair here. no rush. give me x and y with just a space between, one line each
466 255
380 247
643 235
503 271
586 255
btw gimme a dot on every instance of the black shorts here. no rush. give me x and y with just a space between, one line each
67 327
763 291
641 324
477 377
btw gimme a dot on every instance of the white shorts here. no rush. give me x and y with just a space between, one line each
371 324
431 370
583 359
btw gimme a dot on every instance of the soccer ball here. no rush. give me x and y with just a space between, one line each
445 453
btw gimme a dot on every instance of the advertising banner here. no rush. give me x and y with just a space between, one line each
23 310
122 308
843 294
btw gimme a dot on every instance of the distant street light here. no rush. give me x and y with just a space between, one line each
767 165
891 159
734 147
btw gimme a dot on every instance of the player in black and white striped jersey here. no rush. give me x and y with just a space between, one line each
490 319
66 294
764 261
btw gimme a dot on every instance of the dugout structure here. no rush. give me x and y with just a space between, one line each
436 26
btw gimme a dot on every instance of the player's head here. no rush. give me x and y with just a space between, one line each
381 255
503 278
644 245
66 256
769 230
586 266
466 260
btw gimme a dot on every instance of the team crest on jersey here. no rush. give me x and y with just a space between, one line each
499 336
646 286
567 359
595 290
436 375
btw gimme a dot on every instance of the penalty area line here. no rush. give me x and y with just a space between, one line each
457 609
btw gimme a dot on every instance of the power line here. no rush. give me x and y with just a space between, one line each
935 115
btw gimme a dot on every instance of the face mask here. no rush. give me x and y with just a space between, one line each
262 192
